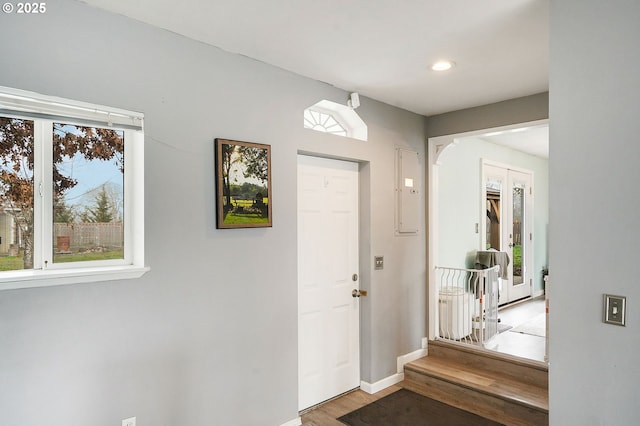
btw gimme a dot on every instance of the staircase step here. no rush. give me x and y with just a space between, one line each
532 372
512 392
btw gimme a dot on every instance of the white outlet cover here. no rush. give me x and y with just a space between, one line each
131 421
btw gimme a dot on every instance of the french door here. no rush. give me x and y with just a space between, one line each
508 201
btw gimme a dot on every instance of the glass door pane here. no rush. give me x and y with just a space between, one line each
518 232
493 202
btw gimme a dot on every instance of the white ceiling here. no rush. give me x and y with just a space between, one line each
381 49
533 140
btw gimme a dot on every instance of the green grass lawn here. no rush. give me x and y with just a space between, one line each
14 263
84 257
239 219
11 263
517 255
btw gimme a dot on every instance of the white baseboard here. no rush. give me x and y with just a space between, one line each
294 422
376 387
405 359
372 388
537 293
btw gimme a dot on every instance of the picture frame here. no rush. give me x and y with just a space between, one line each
243 184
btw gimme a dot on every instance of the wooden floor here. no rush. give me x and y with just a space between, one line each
327 413
526 346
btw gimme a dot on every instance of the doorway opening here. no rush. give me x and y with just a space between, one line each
482 190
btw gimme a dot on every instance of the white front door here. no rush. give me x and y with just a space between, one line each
509 226
328 314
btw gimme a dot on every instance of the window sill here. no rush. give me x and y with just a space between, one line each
39 278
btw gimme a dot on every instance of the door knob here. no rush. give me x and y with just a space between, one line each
358 293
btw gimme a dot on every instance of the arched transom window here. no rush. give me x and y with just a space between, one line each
336 119
323 122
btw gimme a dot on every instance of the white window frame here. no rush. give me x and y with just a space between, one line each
44 111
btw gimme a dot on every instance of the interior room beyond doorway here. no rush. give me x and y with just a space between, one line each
458 214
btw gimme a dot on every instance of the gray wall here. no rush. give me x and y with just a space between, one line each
209 335
594 230
519 110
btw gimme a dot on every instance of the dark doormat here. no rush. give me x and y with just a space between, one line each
406 408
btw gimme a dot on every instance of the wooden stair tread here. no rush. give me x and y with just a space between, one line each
503 386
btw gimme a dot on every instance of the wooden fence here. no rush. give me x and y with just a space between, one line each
517 233
88 235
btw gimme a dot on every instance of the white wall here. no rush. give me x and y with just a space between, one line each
594 228
209 335
460 207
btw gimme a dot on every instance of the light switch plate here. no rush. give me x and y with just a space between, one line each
615 309
131 421
378 262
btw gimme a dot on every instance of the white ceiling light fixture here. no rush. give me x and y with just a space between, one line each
443 65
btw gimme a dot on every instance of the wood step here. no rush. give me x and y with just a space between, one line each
509 391
529 371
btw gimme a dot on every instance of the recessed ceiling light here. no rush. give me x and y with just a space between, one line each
443 65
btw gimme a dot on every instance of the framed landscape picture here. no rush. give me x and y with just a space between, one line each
243 184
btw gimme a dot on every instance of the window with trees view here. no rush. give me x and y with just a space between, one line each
68 176
16 186
88 197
